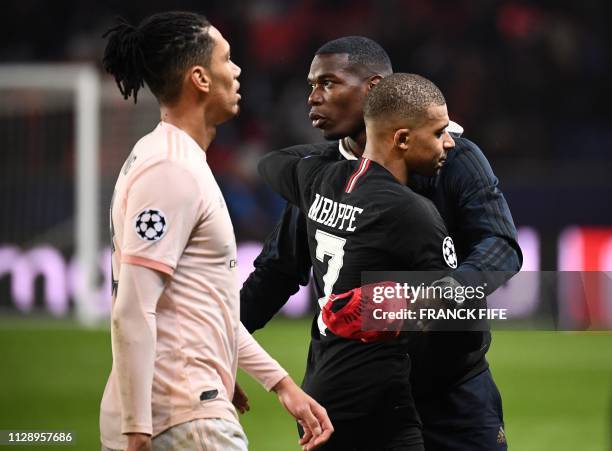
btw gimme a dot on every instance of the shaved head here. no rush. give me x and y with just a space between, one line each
402 96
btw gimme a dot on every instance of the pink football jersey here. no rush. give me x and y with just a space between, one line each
168 214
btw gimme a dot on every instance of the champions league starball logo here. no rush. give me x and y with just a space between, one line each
151 225
448 251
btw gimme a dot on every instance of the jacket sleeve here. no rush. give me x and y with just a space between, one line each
284 262
286 169
483 218
279 169
281 267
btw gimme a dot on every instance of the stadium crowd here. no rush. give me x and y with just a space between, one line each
527 79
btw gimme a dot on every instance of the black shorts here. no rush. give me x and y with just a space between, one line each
383 433
369 401
468 417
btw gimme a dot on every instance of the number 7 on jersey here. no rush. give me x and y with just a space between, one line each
332 246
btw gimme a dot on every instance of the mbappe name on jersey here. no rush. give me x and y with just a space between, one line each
333 214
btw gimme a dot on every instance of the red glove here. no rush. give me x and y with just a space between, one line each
355 315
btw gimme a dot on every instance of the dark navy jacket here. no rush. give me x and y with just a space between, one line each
477 216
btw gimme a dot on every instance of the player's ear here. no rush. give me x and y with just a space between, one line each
401 138
373 81
199 76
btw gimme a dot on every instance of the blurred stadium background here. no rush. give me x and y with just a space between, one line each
529 81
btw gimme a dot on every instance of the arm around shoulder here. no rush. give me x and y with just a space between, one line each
484 220
281 267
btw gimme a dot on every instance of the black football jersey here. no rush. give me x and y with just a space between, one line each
359 218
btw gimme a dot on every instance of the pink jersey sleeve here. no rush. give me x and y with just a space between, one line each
163 207
256 362
134 336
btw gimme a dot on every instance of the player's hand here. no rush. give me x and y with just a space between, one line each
240 399
308 413
361 314
138 442
436 303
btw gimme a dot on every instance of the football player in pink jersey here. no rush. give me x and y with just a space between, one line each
176 335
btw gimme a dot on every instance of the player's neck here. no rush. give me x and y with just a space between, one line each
396 166
355 144
190 123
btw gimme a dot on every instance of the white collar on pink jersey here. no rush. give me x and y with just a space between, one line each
168 126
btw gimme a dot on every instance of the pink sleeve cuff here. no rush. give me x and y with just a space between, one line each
147 263
137 428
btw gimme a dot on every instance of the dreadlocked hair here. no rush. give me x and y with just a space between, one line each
157 52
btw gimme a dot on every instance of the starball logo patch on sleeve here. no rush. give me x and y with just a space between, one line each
151 224
448 251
